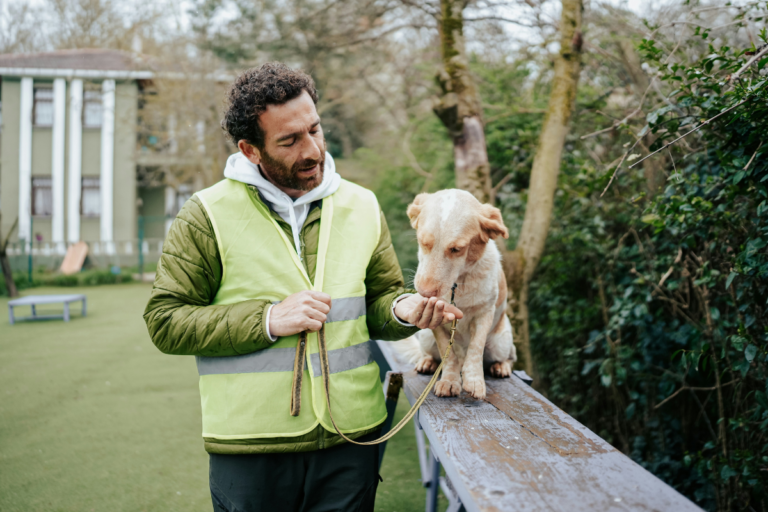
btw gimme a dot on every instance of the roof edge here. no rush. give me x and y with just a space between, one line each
107 74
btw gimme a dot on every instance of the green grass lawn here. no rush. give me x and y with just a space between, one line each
94 418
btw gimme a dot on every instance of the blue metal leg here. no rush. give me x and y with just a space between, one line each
34 310
10 313
84 306
66 311
421 447
434 484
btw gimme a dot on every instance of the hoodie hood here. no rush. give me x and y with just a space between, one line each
241 169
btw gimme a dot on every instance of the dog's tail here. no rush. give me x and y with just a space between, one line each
410 348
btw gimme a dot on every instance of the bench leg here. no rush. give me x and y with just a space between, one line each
421 446
434 484
10 314
34 311
84 308
66 311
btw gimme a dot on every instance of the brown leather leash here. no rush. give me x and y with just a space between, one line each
298 369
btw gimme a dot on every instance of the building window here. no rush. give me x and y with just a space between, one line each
90 201
42 197
91 109
43 107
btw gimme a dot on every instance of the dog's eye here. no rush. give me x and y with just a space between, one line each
454 250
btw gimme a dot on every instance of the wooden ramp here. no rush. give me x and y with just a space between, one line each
516 451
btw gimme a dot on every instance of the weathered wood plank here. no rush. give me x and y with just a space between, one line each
516 451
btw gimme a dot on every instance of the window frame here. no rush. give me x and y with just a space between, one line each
36 101
83 188
95 93
33 188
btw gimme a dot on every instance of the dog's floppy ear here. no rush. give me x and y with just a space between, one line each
491 224
414 209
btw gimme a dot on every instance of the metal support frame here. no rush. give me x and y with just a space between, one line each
430 474
429 463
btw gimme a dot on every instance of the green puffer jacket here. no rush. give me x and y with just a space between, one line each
182 321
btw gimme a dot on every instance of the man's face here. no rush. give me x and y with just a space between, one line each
293 156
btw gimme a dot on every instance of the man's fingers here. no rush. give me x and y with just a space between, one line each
313 325
426 316
320 296
450 308
319 306
417 311
437 315
314 314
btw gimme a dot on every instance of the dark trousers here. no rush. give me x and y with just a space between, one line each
342 478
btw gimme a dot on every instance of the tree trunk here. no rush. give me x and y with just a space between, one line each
458 105
653 168
5 264
522 262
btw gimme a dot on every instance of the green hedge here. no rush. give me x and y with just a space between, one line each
85 278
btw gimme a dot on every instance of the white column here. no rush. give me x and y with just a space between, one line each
107 163
75 170
170 205
57 163
200 128
25 160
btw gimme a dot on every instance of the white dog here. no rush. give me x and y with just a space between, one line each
453 230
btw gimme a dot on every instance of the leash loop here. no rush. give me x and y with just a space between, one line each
326 371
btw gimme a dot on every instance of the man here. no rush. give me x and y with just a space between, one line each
284 246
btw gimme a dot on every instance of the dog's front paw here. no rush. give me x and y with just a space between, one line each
475 386
448 387
501 369
426 364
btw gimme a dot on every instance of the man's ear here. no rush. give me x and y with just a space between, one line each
491 224
414 209
250 151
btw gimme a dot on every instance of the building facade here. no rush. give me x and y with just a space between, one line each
68 167
82 157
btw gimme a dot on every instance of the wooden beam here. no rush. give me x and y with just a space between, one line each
516 451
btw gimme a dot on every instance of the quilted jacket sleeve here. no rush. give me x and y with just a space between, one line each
179 315
384 283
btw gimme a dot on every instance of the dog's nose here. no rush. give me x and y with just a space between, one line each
429 292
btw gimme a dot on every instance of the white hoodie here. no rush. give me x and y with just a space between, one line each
293 212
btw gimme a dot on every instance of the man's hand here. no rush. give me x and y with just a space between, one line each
426 313
303 311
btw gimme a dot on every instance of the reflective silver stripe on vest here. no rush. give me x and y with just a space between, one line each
269 360
343 359
281 360
345 308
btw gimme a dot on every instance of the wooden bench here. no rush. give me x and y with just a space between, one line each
516 451
36 300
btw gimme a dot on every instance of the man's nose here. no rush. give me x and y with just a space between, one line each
311 150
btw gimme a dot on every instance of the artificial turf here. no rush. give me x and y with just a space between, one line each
94 418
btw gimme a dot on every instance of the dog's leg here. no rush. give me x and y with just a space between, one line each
428 362
474 382
450 382
499 350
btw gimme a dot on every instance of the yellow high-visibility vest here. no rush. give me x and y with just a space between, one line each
249 396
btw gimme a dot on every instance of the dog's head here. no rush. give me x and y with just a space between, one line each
452 228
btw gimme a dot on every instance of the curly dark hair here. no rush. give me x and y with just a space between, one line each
273 83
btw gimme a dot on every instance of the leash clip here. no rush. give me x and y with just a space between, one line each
453 324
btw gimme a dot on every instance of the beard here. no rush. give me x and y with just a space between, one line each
288 177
